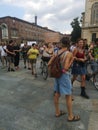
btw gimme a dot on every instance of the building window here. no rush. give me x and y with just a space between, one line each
14 32
93 36
4 31
94 13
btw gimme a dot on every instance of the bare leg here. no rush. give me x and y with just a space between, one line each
72 81
31 62
83 78
24 58
73 78
56 103
69 106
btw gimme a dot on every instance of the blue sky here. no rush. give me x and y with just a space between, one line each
54 14
9 10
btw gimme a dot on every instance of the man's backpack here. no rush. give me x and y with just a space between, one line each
54 68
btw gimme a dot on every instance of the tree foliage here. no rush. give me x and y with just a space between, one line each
76 32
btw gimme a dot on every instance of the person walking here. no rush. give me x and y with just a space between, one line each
24 51
32 56
62 85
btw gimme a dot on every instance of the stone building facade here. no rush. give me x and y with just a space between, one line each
20 30
90 21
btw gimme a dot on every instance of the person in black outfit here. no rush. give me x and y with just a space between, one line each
17 55
10 55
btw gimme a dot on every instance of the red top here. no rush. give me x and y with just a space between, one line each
80 54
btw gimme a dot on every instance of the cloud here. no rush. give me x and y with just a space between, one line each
55 14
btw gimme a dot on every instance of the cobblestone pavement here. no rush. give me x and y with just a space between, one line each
26 103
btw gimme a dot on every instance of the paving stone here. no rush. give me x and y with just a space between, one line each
26 103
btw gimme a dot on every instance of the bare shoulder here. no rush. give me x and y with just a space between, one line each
69 54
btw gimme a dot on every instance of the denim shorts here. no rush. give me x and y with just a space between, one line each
63 84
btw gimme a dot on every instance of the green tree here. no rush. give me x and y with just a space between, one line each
76 32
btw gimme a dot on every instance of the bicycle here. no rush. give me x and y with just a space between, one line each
92 76
44 69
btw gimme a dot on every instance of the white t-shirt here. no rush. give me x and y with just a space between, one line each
72 48
3 53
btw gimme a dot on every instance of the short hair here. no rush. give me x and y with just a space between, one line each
11 41
33 44
65 41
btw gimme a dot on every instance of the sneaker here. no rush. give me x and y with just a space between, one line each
12 70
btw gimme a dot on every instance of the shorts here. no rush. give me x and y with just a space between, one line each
32 61
10 59
63 84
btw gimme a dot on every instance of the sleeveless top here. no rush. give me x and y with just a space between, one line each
80 54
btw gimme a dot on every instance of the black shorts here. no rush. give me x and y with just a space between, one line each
46 59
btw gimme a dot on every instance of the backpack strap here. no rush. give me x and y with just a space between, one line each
49 63
60 53
63 58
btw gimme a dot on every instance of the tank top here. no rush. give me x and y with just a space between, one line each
80 54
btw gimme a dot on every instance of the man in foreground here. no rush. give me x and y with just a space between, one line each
62 85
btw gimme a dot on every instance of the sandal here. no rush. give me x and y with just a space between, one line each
72 99
61 114
75 118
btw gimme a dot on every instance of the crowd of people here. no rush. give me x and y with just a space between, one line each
12 53
75 57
